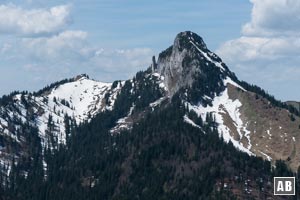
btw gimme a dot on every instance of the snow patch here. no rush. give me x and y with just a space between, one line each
218 64
123 123
222 105
114 94
160 81
189 121
268 157
157 102
230 81
81 100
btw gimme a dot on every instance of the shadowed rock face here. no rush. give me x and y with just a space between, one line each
183 62
171 63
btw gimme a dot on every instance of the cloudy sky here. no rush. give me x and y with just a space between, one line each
42 41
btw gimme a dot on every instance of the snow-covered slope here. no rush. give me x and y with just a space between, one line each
50 112
81 100
221 107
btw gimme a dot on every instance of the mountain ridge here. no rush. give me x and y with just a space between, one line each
188 81
177 68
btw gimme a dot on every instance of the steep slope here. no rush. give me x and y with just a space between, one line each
49 113
274 131
203 79
81 100
253 121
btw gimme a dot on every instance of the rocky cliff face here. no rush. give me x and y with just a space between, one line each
187 60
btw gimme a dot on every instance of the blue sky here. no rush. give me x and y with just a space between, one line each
44 41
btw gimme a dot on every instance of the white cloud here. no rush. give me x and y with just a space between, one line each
103 64
43 50
72 48
16 20
70 54
267 53
5 47
246 49
65 45
274 17
123 61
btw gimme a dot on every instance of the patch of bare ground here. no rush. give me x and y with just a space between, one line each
275 132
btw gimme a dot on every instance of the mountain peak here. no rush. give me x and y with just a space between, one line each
189 59
187 38
81 76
